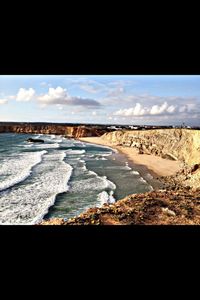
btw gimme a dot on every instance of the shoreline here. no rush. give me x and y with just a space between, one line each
156 207
156 166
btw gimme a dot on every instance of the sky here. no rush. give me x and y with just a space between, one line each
101 99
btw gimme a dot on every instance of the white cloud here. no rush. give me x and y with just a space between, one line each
94 113
157 110
171 109
139 110
25 95
60 96
3 101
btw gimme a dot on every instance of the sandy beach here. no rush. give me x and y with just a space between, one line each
160 166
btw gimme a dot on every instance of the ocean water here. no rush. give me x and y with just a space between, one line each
60 178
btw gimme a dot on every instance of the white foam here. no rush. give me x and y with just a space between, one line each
109 184
106 154
151 188
28 204
127 166
46 146
92 184
111 198
37 136
141 179
119 168
17 168
135 172
70 151
104 197
79 144
50 136
26 146
149 176
100 158
92 173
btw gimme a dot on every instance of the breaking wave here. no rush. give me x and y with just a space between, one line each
70 151
17 168
28 204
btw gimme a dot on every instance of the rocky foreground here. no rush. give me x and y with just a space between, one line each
180 206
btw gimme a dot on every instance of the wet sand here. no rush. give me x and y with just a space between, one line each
158 165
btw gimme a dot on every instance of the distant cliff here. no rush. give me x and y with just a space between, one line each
75 131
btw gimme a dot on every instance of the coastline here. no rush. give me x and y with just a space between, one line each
170 204
156 166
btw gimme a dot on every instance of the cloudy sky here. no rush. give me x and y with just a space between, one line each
116 99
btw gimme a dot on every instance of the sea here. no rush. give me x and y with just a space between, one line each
60 178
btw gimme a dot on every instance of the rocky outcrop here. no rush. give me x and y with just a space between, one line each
35 140
181 206
75 131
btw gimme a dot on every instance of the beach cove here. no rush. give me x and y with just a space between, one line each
157 165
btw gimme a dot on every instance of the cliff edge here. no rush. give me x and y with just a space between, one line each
178 207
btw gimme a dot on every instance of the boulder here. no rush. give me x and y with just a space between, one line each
30 140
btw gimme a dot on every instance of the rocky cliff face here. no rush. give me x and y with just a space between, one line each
177 144
70 131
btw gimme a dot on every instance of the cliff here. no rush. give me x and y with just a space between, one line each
175 144
181 144
75 131
173 207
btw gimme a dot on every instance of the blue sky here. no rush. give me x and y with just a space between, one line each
109 99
